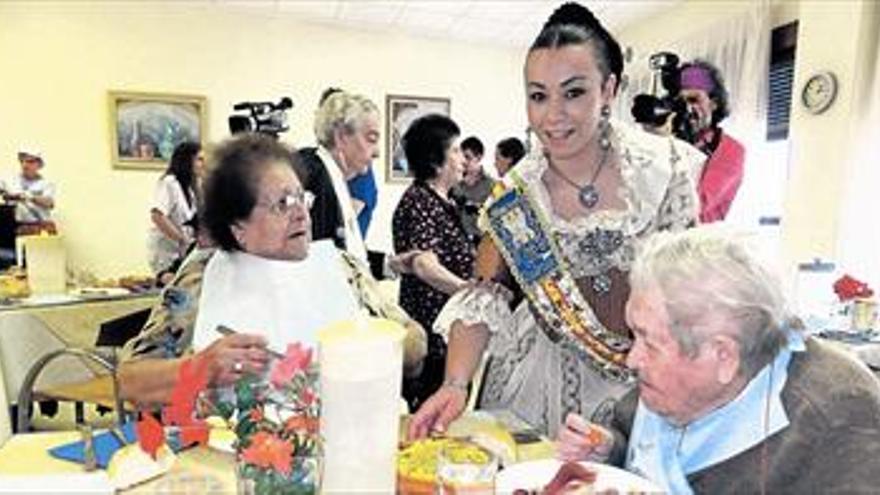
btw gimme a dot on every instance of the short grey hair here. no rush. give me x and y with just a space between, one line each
341 110
710 272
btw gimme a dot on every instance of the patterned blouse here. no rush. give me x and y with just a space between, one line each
423 220
170 327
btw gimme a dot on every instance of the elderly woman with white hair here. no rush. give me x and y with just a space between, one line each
347 131
732 397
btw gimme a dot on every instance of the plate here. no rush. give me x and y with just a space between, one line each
536 474
98 292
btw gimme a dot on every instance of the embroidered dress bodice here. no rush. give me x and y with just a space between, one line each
541 377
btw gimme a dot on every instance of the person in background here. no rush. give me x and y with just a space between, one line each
564 229
361 187
32 194
732 396
175 200
256 213
475 187
347 129
703 91
426 220
508 153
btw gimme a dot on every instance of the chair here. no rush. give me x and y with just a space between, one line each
7 235
25 396
5 426
118 331
25 340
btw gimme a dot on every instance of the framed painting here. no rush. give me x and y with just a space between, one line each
400 112
146 127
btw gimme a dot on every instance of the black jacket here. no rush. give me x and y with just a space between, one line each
327 222
326 215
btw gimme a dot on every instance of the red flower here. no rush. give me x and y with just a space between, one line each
846 288
299 423
296 359
308 396
192 378
150 434
256 415
268 451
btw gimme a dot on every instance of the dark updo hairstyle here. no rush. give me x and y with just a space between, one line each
473 144
181 167
574 24
719 92
511 148
426 142
232 187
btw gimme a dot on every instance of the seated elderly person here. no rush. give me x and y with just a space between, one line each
732 398
261 282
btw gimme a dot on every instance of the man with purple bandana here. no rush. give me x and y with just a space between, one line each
703 91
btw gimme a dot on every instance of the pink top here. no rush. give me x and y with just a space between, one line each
722 176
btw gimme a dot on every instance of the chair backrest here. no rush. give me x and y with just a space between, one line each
5 425
7 226
118 331
24 339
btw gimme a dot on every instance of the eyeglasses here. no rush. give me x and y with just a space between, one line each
286 203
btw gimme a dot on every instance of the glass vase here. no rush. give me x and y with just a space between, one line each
304 478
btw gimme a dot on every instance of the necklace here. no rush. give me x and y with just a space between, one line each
588 194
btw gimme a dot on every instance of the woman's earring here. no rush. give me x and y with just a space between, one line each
528 140
605 128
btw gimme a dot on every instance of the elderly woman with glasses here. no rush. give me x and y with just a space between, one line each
260 281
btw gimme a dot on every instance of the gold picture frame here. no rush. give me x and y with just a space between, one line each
400 112
146 127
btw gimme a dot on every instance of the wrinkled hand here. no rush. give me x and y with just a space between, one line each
222 357
437 412
403 263
581 440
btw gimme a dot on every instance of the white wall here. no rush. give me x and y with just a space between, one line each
59 59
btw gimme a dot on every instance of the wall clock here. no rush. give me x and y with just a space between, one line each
819 92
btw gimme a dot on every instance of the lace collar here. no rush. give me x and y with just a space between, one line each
647 163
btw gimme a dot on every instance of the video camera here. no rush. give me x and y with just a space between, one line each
264 117
654 110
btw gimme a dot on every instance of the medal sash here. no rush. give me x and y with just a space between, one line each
522 236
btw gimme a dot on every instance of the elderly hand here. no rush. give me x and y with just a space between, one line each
437 412
403 262
233 355
581 440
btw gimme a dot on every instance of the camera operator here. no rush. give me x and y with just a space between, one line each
706 99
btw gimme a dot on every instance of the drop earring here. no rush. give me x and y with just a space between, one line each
605 128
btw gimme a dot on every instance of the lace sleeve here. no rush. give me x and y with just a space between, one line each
486 303
681 206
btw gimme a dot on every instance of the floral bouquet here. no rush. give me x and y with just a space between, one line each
278 445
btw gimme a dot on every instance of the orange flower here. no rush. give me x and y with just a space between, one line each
268 451
297 358
301 423
195 432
